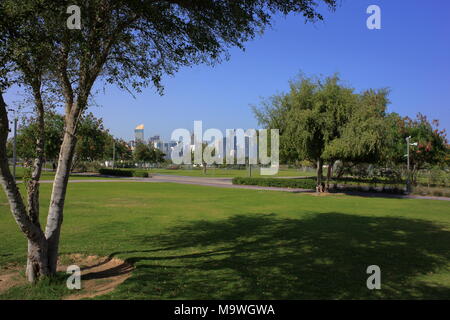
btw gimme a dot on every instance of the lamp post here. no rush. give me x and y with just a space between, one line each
408 177
14 144
114 153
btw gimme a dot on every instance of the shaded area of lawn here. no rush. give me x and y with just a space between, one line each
265 257
197 242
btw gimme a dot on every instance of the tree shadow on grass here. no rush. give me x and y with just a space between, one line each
263 256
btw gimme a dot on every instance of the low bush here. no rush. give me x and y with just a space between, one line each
140 174
275 182
116 172
124 173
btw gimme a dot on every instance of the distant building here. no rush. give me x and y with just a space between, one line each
167 148
139 133
155 138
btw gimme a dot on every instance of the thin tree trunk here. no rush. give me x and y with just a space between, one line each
329 173
55 213
319 186
37 253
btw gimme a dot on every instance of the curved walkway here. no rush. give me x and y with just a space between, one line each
227 183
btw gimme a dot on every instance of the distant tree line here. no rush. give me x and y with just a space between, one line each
94 142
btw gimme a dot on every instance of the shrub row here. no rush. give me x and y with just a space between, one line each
123 173
140 174
274 182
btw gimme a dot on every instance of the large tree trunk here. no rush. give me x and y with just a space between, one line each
37 260
319 185
55 213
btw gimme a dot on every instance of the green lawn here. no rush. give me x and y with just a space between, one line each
194 242
231 173
50 175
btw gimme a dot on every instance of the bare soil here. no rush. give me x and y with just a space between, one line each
99 275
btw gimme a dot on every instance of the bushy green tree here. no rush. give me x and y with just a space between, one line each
92 138
122 151
310 117
126 42
27 137
147 153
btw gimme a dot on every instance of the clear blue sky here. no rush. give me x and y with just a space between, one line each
410 54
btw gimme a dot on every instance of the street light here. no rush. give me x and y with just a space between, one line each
408 177
114 153
14 143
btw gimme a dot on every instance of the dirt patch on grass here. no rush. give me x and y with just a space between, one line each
10 276
99 275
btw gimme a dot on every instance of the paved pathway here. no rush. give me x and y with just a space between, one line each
226 183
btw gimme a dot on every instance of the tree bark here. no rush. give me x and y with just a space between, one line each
37 252
319 186
55 213
329 174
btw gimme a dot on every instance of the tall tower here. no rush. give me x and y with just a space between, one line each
139 133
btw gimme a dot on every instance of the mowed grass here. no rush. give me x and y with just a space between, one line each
223 173
195 242
50 175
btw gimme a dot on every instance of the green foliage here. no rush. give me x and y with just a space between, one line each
123 173
147 153
143 40
431 142
27 135
122 149
116 172
273 182
91 139
322 120
361 137
140 174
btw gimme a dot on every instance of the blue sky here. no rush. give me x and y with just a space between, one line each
410 55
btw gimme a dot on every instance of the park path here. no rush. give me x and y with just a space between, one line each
201 181
227 183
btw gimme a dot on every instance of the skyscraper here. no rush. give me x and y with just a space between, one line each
139 133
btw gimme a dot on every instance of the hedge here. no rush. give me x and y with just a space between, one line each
140 174
123 173
274 182
116 172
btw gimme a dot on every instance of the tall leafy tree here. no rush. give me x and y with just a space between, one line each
147 153
310 117
131 43
28 132
25 56
91 139
362 136
431 143
122 151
